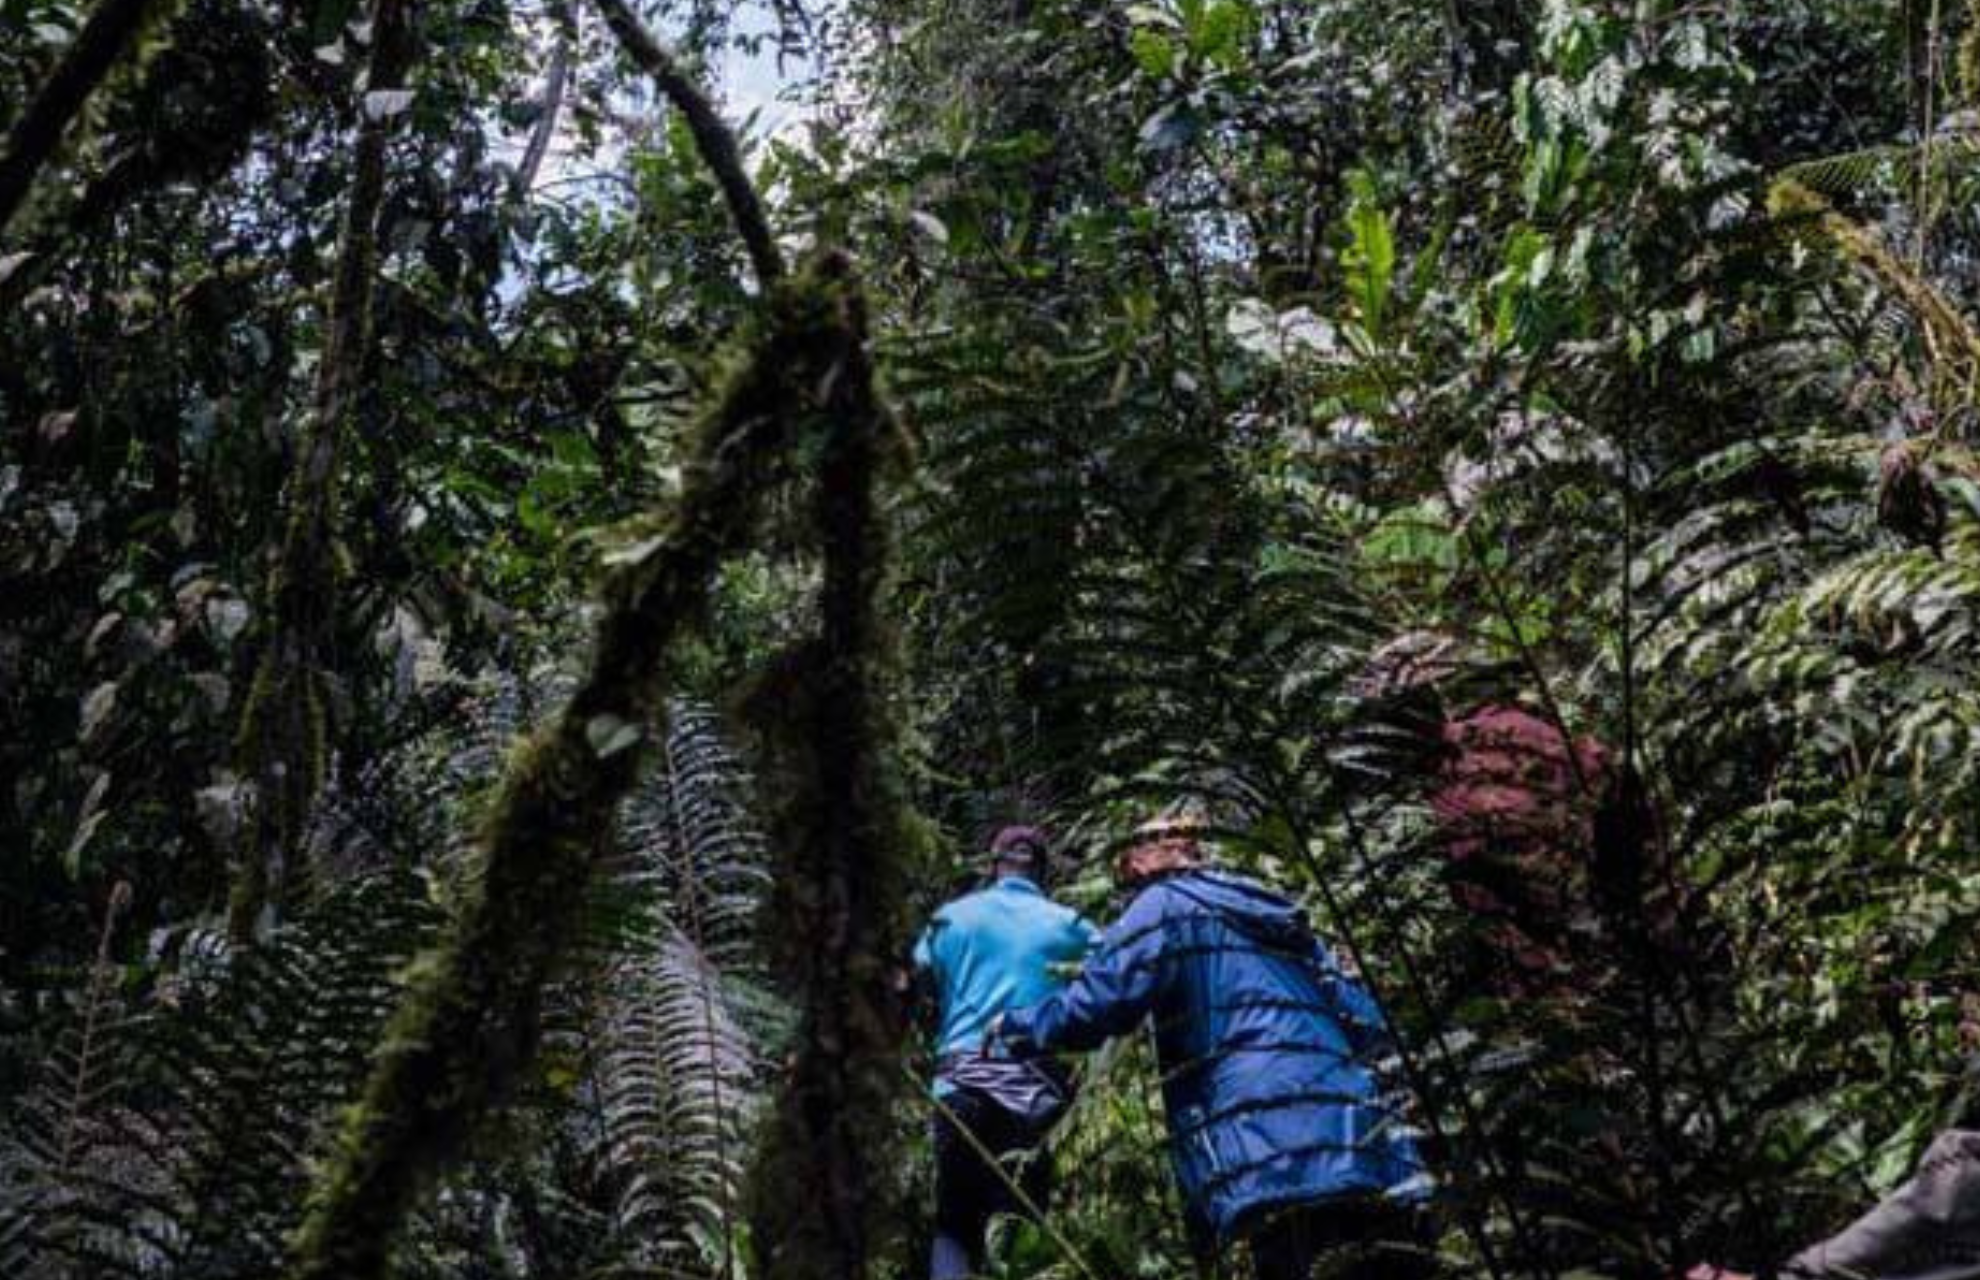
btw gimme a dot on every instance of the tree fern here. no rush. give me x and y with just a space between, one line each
1784 634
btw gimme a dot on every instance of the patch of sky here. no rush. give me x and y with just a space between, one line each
761 85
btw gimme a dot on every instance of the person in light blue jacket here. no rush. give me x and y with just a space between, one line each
984 954
1280 1134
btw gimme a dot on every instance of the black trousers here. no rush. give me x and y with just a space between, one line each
968 1191
1342 1240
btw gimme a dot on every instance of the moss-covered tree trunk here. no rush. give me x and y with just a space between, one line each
821 1192
282 742
112 28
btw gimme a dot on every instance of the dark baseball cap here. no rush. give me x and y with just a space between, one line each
1018 844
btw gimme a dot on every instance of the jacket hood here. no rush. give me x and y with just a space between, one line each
1247 906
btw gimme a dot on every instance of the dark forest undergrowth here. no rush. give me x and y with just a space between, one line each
539 537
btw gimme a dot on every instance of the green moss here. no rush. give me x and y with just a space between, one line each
1969 57
283 743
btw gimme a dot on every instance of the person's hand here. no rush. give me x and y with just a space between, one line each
1706 1271
1001 1041
993 1038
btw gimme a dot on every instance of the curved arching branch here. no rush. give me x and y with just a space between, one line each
468 1024
712 135
112 28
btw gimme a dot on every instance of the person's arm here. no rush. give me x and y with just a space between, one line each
1112 994
1927 1229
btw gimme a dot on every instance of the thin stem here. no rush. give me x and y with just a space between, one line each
282 736
1927 128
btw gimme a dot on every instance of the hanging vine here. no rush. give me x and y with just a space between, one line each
820 1198
282 742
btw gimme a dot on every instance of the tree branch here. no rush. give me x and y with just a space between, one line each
712 135
112 28
553 103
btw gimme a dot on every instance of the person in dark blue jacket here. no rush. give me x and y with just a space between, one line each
1279 1132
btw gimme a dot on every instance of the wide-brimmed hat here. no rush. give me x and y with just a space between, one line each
1182 823
1179 821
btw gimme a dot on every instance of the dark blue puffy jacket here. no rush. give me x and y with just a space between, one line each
1263 1044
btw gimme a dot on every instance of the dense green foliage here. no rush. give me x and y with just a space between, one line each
1281 403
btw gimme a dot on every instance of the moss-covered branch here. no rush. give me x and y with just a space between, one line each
112 28
1952 344
469 1020
282 740
820 1202
712 136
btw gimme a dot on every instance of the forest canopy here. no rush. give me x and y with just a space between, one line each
540 539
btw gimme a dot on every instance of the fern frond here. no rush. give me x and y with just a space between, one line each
1889 169
191 1154
677 1061
679 1085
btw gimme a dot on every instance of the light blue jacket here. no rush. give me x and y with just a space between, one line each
995 950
